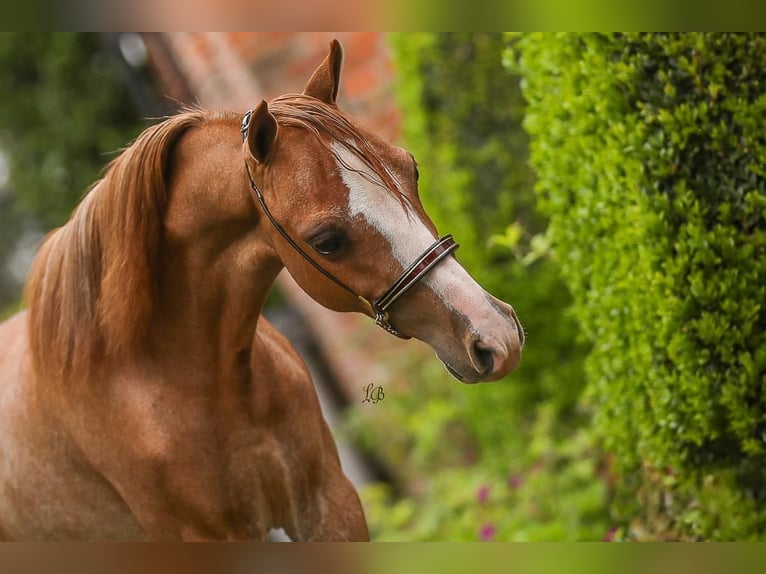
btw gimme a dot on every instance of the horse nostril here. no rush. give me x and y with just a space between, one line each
483 357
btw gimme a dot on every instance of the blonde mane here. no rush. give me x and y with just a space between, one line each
92 286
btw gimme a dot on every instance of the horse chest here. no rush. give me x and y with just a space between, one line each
228 465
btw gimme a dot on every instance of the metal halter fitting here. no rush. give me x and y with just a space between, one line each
377 309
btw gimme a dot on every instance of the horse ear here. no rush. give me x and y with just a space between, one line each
325 80
261 132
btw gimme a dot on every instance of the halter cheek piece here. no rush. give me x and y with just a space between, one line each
377 309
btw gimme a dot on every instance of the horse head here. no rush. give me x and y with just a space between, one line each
347 222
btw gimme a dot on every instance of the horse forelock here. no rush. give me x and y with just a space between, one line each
93 284
298 110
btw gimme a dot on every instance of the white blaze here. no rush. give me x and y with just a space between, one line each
405 232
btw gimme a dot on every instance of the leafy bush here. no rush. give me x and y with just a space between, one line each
651 153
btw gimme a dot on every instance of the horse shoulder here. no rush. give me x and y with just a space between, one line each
13 379
15 385
13 342
308 449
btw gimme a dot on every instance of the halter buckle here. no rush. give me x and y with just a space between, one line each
381 320
245 124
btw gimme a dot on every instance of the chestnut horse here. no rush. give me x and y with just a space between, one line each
142 396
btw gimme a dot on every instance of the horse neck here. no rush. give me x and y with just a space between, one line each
209 311
217 263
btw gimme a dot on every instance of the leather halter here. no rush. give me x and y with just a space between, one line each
377 309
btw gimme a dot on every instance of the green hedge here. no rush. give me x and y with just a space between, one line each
651 154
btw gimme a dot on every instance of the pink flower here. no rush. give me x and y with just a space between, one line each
487 532
482 495
610 534
515 481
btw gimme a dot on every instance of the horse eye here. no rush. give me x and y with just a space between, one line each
327 243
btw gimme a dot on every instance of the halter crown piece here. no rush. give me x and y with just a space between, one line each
377 309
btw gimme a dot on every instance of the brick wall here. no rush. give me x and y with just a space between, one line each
236 70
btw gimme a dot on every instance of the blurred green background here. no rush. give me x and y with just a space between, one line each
610 186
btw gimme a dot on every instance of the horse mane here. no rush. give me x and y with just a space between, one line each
93 284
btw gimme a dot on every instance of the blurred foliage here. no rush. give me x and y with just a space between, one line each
10 310
552 491
463 114
65 113
651 156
